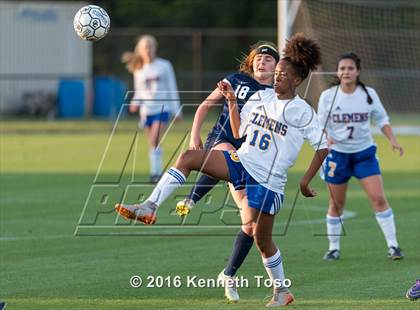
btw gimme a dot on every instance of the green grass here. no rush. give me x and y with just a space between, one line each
46 175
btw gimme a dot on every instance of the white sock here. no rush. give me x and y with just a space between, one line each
274 267
386 222
334 224
155 158
168 183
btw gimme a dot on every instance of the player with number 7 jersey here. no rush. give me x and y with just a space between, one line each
346 110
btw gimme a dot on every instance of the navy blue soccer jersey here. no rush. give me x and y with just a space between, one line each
244 87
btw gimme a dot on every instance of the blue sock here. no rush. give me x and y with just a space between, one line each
243 243
202 187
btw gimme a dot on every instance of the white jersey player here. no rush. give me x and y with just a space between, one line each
275 130
347 110
155 96
266 132
156 89
349 117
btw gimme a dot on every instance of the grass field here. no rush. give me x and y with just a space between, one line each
47 170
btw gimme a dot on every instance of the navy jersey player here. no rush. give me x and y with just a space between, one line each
347 109
270 138
256 72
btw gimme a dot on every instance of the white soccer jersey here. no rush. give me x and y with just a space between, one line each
155 88
349 122
276 130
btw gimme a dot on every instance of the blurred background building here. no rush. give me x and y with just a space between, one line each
45 69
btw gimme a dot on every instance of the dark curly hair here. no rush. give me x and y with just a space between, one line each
303 53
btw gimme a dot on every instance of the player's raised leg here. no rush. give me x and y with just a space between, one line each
210 162
334 219
204 185
384 215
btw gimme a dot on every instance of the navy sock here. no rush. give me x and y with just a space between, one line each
202 187
243 243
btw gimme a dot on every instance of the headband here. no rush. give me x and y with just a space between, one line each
267 49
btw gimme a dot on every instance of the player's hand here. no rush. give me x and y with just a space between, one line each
330 141
133 108
226 90
306 190
196 143
397 147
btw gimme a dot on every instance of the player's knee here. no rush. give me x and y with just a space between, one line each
336 206
334 210
379 202
184 160
247 229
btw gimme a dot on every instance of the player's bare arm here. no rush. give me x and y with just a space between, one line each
235 121
200 117
316 163
387 131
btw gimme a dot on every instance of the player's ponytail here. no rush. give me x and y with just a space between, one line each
133 60
303 53
356 59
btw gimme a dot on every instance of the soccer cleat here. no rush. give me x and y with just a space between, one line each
229 283
184 206
2 305
281 299
332 255
414 292
395 253
145 212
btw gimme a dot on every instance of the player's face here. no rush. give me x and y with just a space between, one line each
263 66
347 71
285 78
147 51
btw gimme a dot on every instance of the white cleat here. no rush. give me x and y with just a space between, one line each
280 300
184 206
145 212
229 283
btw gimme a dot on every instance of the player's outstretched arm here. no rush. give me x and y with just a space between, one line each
200 116
316 163
235 119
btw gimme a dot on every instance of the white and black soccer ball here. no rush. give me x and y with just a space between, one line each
91 23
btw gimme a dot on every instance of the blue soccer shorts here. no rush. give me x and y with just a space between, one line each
160 117
259 197
340 167
214 138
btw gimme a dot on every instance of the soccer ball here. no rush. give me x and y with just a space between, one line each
91 23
